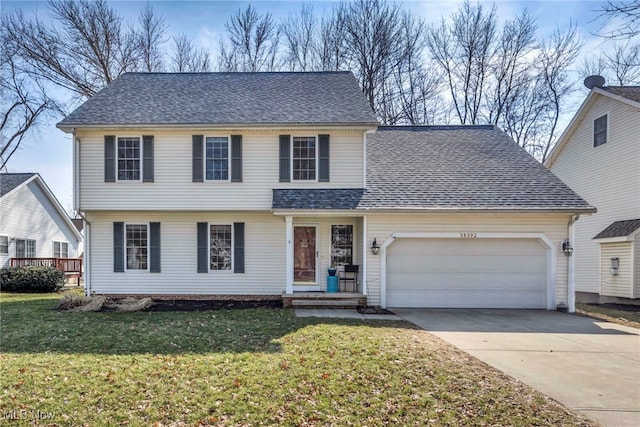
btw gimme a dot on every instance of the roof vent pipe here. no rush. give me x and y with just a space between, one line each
594 81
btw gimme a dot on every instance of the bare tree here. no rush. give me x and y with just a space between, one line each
150 38
299 33
185 57
252 42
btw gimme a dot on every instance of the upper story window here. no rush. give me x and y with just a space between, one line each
60 249
137 246
25 248
304 158
4 244
129 158
217 158
600 131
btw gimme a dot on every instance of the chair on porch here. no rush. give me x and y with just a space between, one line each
349 274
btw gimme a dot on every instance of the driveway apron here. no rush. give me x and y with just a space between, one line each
588 365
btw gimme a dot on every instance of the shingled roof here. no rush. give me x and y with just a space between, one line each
629 92
459 168
9 181
222 99
619 229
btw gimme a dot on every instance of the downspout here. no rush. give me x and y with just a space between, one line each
571 266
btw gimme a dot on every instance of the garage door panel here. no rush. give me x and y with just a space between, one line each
477 273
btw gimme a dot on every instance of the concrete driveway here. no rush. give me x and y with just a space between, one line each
588 365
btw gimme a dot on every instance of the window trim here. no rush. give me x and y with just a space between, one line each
35 248
204 159
233 247
141 159
593 129
2 245
353 242
124 248
60 242
291 159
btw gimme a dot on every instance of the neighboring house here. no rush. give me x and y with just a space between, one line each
598 156
250 185
33 224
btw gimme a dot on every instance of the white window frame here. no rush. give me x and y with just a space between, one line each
2 245
141 159
593 133
26 253
204 159
233 247
126 260
317 162
60 243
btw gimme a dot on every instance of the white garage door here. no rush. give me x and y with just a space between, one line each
466 273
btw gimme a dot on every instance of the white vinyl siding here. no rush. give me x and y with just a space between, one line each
173 189
44 226
607 177
382 226
621 284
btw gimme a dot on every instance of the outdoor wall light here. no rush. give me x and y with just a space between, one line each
375 249
567 249
615 265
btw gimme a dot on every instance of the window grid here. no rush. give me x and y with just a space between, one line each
217 158
600 131
220 247
137 246
4 244
341 245
129 159
60 250
25 248
304 158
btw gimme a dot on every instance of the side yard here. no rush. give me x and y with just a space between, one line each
246 367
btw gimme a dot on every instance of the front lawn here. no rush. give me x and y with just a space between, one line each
245 367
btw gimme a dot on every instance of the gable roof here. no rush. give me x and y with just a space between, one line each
619 229
444 168
225 99
10 182
629 95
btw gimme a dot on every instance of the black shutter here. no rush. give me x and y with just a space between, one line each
323 158
147 156
236 158
203 248
238 247
285 158
198 175
110 158
154 247
118 247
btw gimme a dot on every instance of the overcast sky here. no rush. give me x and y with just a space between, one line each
48 150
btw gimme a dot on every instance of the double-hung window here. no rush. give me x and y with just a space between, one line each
137 246
129 158
60 249
341 245
600 131
217 158
304 158
25 248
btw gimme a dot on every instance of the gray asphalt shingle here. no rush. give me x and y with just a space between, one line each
619 229
9 181
226 98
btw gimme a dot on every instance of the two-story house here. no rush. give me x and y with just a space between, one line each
598 156
250 185
33 224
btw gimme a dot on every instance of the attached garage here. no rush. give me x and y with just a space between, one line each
467 273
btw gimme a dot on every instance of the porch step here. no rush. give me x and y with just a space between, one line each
324 300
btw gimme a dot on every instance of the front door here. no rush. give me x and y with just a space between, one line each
304 257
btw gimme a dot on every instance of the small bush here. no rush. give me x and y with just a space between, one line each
31 279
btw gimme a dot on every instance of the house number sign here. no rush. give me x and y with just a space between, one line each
468 235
